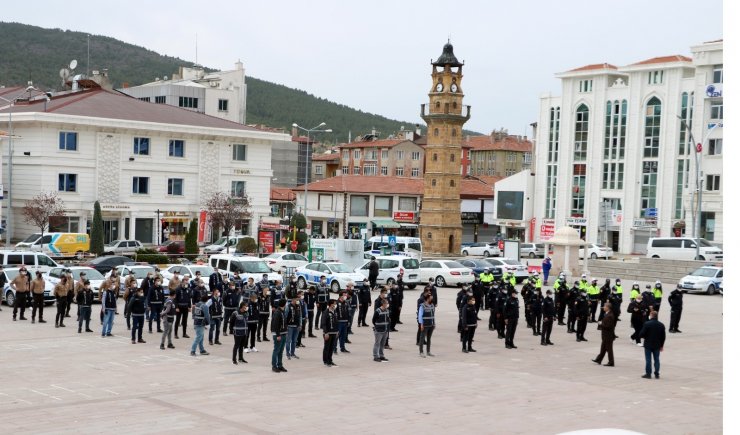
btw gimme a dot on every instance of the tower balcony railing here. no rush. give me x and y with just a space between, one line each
426 112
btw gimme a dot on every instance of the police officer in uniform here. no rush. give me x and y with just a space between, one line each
639 311
561 297
201 317
618 290
582 309
634 291
593 292
330 327
21 284
217 315
491 304
548 314
237 322
657 295
426 320
322 298
264 306
279 330
469 319
216 281
84 301
311 309
38 286
501 299
60 292
675 299
395 300
155 300
253 320
136 308
364 299
183 304
381 321
168 317
571 303
511 315
527 290
231 298
604 293
535 309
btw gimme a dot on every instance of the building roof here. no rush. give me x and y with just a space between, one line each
490 180
595 66
664 59
447 57
382 143
325 157
493 143
469 187
282 194
101 103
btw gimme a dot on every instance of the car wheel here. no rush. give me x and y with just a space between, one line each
301 283
486 254
335 286
465 253
10 298
700 258
531 255
440 282
710 289
594 256
412 286
655 256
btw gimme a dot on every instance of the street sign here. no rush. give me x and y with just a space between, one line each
392 240
698 147
651 212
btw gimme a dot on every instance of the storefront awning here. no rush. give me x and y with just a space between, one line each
386 223
409 226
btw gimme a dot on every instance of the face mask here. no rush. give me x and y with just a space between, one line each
301 297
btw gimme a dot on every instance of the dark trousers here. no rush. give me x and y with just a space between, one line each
38 304
571 319
20 302
593 306
61 309
637 326
252 331
239 343
395 315
182 316
528 316
310 322
215 328
561 312
468 334
675 318
501 325
321 307
546 330
227 316
155 312
607 348
138 327
492 320
329 348
70 299
341 335
84 316
363 314
510 331
425 337
536 323
262 325
581 327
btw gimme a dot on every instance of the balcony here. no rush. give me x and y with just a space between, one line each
428 114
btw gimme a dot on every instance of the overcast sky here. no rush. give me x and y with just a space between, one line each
374 55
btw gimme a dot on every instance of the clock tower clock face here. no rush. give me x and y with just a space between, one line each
453 88
439 87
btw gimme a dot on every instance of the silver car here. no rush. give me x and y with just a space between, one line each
532 250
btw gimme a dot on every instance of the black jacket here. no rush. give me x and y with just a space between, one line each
293 315
676 300
278 325
136 305
653 333
381 320
469 316
182 297
511 308
373 269
582 306
548 307
329 322
363 294
216 281
535 304
85 298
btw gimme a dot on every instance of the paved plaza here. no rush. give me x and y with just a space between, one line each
58 381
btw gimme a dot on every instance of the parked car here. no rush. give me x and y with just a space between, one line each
510 265
219 245
532 250
9 294
683 248
96 278
140 272
173 247
105 263
32 260
707 279
246 266
596 251
445 272
484 249
122 247
337 275
478 265
280 260
57 244
188 269
389 266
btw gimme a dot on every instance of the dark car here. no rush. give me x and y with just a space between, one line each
479 266
105 263
173 247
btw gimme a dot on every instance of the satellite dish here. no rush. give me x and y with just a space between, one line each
73 64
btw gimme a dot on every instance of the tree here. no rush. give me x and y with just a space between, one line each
299 221
226 211
246 245
191 240
41 207
97 243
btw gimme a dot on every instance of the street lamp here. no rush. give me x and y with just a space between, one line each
317 129
697 151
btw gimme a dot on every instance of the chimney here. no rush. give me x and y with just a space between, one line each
294 132
418 130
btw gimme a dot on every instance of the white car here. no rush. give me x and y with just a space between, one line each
189 269
9 294
389 266
122 247
445 272
280 260
510 265
707 279
337 275
484 249
246 266
596 251
219 246
96 278
140 271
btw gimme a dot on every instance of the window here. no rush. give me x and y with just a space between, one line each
370 169
712 182
238 188
717 74
581 133
188 102
358 154
399 155
68 182
527 158
223 105
510 157
681 175
174 186
716 112
550 191
687 109
454 132
585 86
452 157
141 185
510 172
715 147
615 130
436 132
415 155
652 128
491 156
345 170
649 188
141 146
612 176
434 157
147 99
655 77
383 154
356 170
371 155
177 148
161 99
414 172
345 155
383 206
68 140
358 205
64 224
318 170
325 201
434 182
239 152
579 190
406 203
399 171
384 170
553 140
452 183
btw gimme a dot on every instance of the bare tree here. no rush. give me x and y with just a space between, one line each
225 211
39 209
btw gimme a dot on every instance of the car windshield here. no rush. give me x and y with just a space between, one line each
90 274
275 255
704 272
511 262
705 244
205 271
11 274
246 266
453 264
415 246
114 242
220 241
32 238
339 268
141 271
411 263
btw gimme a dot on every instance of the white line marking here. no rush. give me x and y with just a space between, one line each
44 394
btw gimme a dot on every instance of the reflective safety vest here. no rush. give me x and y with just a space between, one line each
556 286
538 284
619 289
634 293
198 314
512 279
658 293
582 285
592 291
486 277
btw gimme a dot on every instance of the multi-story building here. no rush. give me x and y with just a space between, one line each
498 154
387 157
325 165
614 159
151 166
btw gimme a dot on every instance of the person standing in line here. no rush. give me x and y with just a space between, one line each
341 311
394 298
330 327
84 301
638 310
154 302
546 266
251 287
353 302
381 324
201 319
582 312
237 323
311 309
168 315
293 318
304 316
127 295
60 292
491 305
604 292
469 324
322 297
109 305
653 332
216 310
365 299
635 291
419 302
548 313
573 296
426 319
675 300
373 270
216 281
479 291
174 282
607 324
137 309
615 299
657 295
279 330
594 293
535 304
253 320
500 311
231 299
264 305
21 285
38 286
184 304
79 285
70 291
511 314
561 297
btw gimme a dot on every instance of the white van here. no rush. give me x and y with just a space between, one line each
247 267
682 248
32 260
220 245
408 246
389 266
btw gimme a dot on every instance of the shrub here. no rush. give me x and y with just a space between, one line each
246 245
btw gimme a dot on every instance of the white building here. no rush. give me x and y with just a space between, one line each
222 94
613 158
142 161
513 206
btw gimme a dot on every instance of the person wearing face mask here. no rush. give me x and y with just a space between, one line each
137 310
278 292
427 322
364 299
657 295
174 282
638 311
217 314
582 309
511 313
310 309
154 301
322 297
573 295
635 291
293 318
353 302
615 299
109 308
168 315
60 292
38 286
535 304
279 330
304 316
381 324
231 298
216 281
21 285
469 318
253 320
78 286
84 301
264 305
330 327
342 315
604 293
130 292
238 327
251 288
548 313
183 302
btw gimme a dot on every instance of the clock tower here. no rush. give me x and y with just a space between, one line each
440 225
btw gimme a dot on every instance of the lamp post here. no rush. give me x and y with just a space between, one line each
697 160
317 129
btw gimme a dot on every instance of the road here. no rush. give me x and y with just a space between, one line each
58 381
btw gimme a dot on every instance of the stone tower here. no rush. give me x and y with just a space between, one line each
440 226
